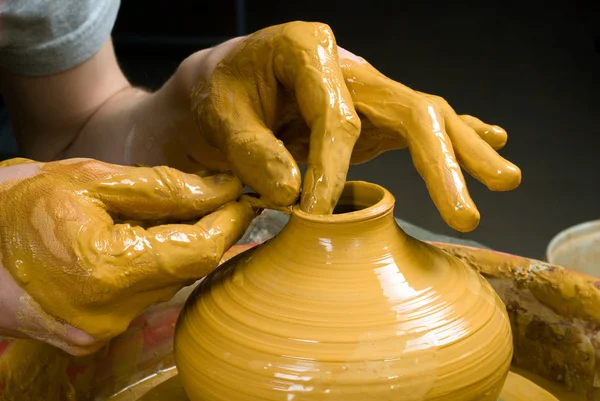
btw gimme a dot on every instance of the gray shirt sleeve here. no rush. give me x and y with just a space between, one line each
43 37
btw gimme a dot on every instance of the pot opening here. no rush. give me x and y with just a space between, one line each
359 201
358 196
341 209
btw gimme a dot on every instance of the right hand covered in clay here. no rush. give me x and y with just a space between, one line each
73 277
288 94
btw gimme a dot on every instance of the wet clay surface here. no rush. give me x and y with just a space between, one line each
326 311
289 94
75 267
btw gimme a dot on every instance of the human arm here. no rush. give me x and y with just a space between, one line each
90 110
289 94
67 95
64 89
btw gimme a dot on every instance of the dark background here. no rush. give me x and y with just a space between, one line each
532 67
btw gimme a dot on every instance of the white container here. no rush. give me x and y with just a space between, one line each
577 248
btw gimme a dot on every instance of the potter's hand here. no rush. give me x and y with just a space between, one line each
291 85
72 277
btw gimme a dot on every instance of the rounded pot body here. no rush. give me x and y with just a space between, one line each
344 307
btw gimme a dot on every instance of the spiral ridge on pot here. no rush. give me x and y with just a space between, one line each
351 309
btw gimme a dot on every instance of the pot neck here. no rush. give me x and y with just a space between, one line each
363 208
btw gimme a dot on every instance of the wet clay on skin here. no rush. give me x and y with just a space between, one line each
35 371
288 94
344 307
60 243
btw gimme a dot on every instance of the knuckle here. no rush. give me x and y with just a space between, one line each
103 279
200 256
425 106
440 101
215 250
436 98
299 31
432 106
213 244
85 170
323 29
172 182
77 160
352 125
213 106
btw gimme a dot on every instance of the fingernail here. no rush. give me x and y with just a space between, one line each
79 337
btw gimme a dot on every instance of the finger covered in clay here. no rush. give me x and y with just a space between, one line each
241 113
93 275
401 118
289 94
475 153
440 141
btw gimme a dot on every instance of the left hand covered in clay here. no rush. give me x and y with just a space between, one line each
289 94
74 277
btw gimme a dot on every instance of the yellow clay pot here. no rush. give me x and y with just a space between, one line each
344 307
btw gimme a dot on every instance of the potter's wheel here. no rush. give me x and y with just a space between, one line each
516 388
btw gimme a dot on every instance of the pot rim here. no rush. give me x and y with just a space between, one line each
375 201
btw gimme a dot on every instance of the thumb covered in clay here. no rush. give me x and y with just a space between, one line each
78 278
190 252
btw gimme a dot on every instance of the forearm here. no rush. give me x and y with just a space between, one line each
48 112
93 111
128 128
135 126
